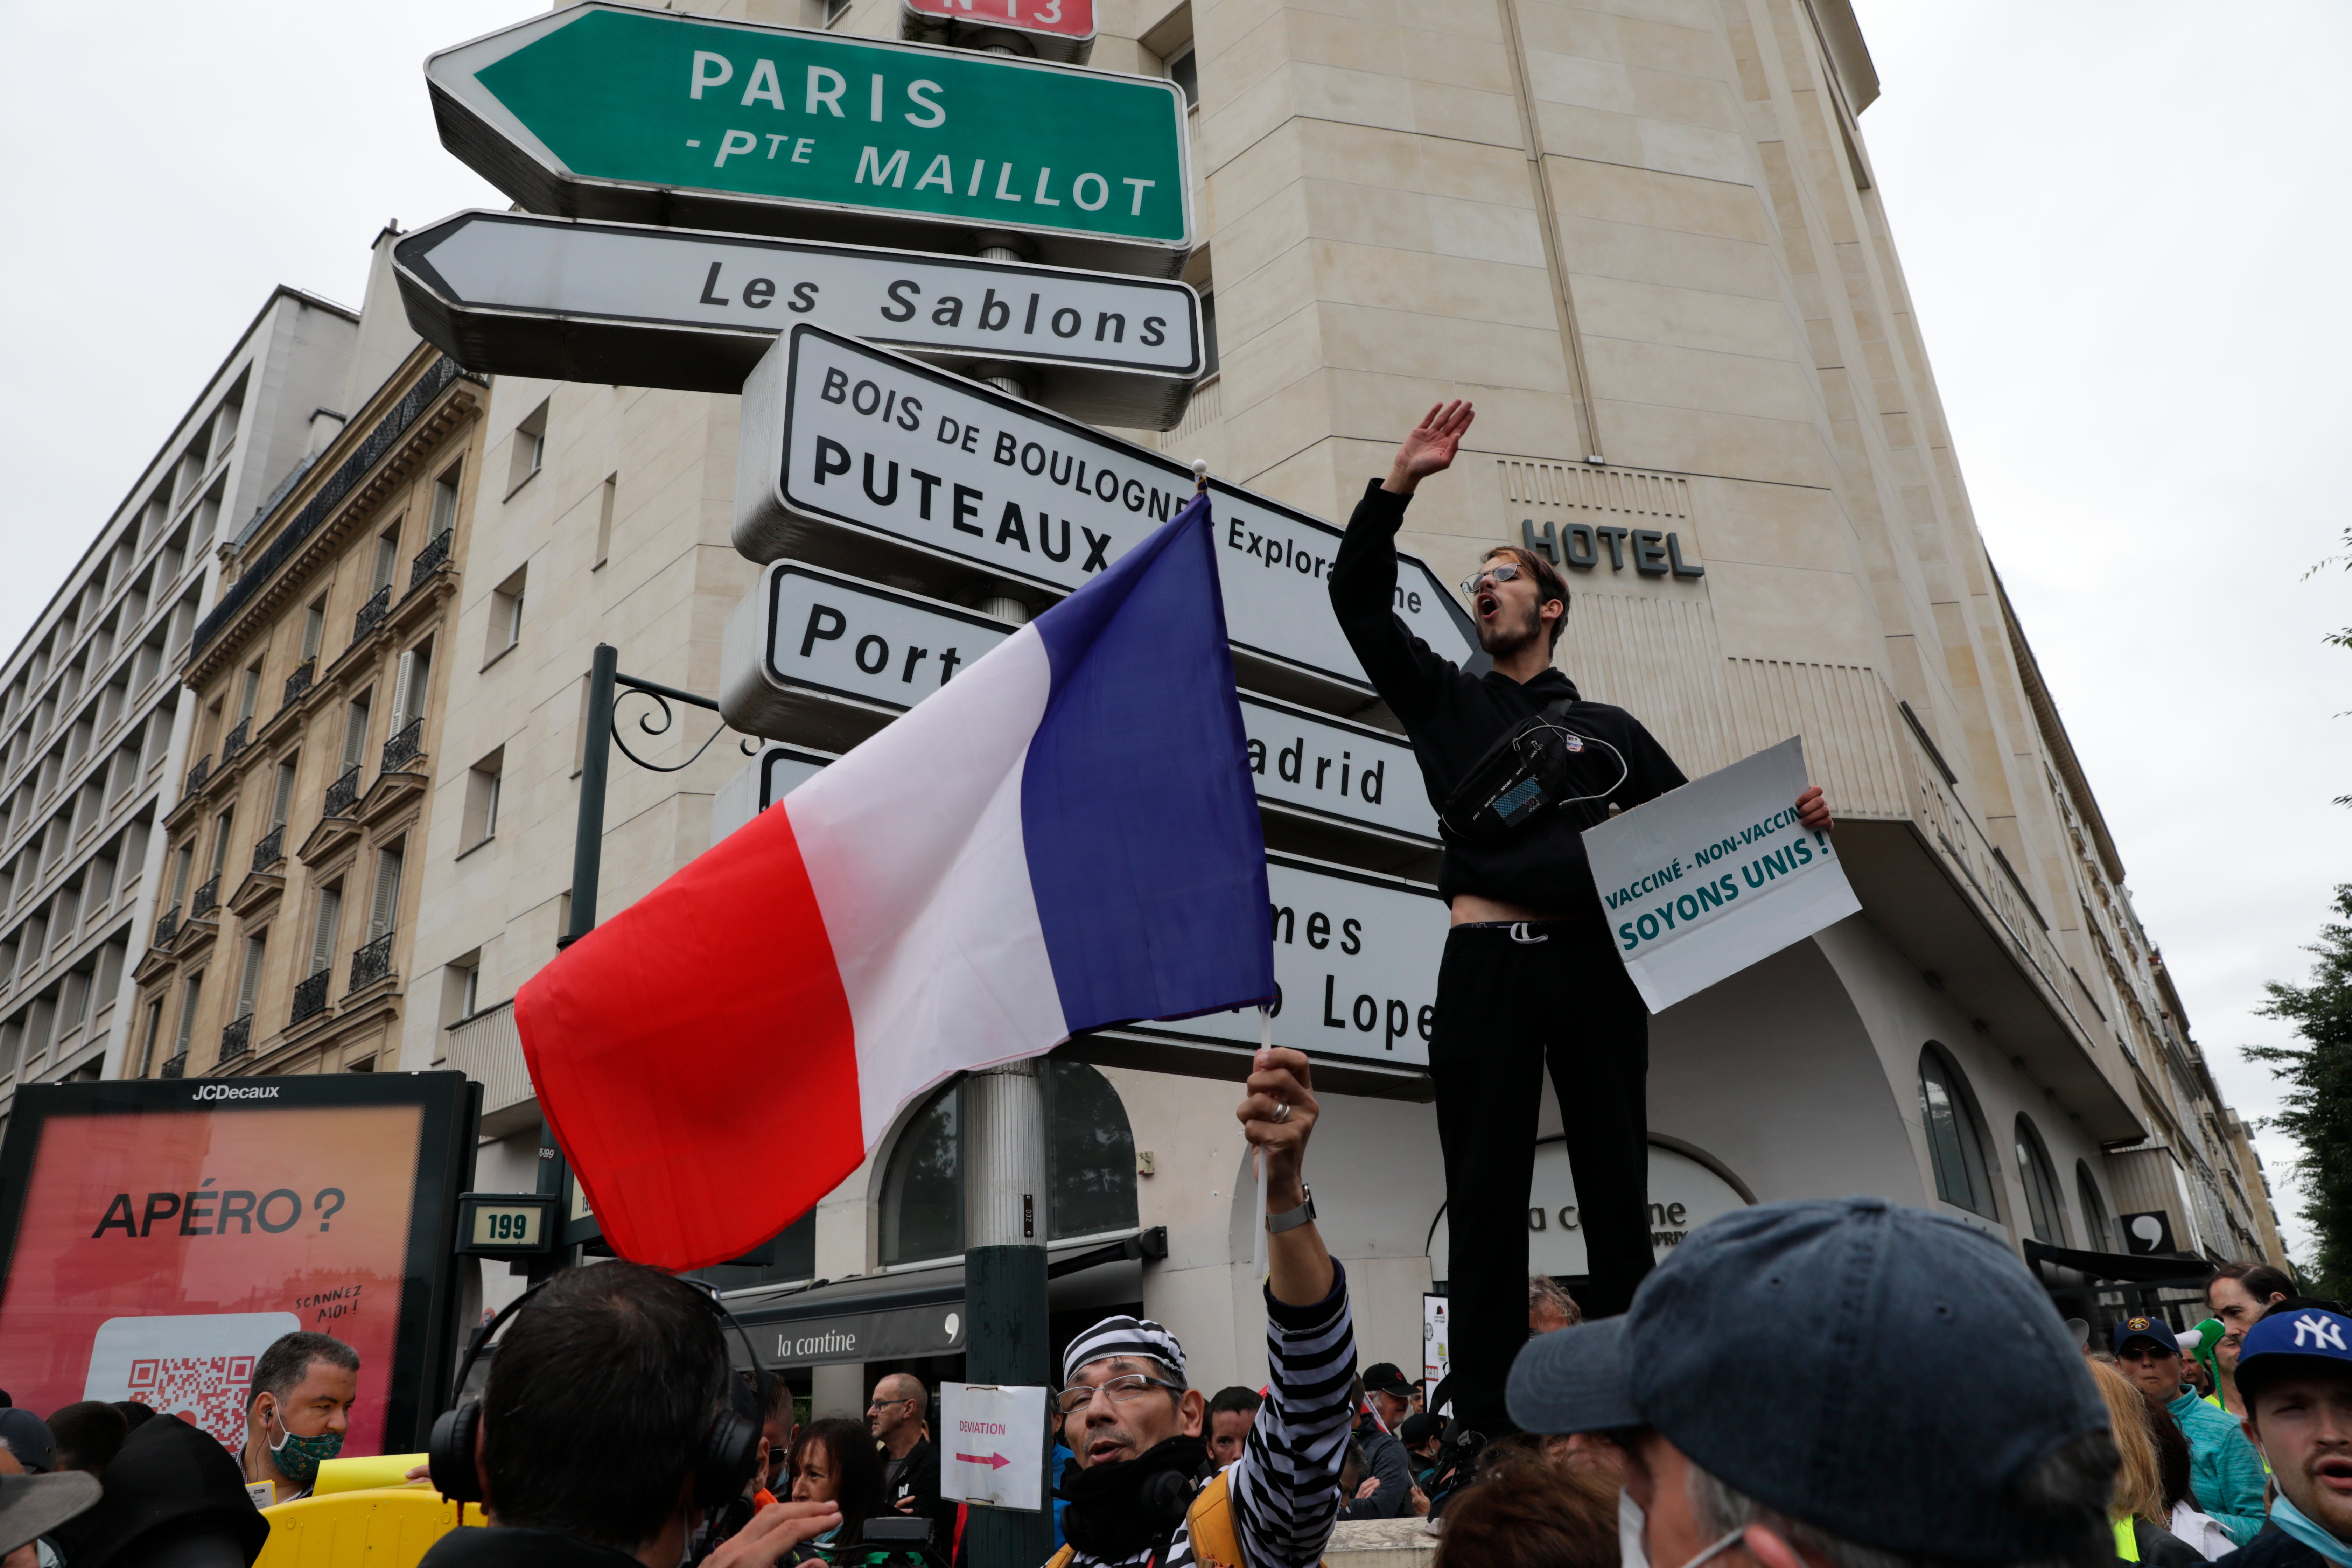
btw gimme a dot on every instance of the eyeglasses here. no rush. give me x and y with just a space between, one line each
885 1403
1501 572
1117 1390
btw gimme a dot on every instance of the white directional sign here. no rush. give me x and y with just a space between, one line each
859 456
1338 770
811 655
766 779
1355 955
511 294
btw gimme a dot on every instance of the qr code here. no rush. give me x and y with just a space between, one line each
204 1391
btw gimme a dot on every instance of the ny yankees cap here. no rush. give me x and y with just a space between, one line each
2294 1340
1888 1375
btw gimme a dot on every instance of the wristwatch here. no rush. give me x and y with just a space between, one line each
1291 1220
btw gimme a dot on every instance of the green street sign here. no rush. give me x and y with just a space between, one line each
612 112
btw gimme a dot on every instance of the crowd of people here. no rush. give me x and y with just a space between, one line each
1843 1383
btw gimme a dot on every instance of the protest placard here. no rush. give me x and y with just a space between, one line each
1717 875
992 1445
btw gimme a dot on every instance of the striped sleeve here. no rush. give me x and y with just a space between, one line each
1285 1485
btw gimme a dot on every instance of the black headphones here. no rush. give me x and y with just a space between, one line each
723 1466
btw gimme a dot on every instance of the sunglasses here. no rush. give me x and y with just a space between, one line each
1501 572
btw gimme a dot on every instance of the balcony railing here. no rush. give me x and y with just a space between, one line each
299 682
344 792
406 744
485 1049
429 559
176 1067
271 850
371 614
206 900
235 740
372 963
200 773
237 1038
311 997
167 927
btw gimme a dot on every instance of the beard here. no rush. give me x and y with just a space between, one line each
1507 635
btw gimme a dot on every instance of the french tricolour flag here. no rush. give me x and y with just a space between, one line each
1064 838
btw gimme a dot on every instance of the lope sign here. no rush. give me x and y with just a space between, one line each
856 456
1056 29
812 655
511 294
158 1235
1355 959
611 111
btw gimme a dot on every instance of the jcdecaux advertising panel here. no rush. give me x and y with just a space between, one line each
157 1235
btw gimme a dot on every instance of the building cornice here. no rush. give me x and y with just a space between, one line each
2053 733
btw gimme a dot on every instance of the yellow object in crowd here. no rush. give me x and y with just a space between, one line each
362 1511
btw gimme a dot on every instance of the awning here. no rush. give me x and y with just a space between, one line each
2130 1267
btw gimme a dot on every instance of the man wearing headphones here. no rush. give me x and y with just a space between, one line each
1530 971
608 1427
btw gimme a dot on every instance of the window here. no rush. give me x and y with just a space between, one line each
249 984
314 626
1209 360
2043 1210
283 795
835 10
221 826
182 869
355 730
1185 70
188 1014
248 696
2097 1235
408 685
506 615
529 450
604 521
482 799
147 1038
386 908
1955 1142
324 928
387 556
444 498
1089 1168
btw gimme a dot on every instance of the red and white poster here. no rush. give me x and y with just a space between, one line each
158 1249
1060 30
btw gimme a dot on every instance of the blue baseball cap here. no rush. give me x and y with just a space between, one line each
2155 1331
2294 1340
1891 1376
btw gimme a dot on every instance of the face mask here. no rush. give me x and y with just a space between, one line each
298 1458
1631 1521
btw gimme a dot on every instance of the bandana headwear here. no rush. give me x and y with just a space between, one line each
1122 1336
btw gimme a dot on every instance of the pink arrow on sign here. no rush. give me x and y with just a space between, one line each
993 1461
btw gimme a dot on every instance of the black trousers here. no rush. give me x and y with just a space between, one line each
1510 1001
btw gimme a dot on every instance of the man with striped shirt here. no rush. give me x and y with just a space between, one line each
1135 1426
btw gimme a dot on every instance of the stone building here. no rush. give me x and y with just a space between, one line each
287 895
1645 236
92 729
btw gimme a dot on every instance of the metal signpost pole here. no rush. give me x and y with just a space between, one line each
1005 1221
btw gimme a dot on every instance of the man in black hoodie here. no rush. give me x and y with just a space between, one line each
1530 973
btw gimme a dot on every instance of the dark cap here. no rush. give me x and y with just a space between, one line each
1888 1375
1418 1429
2155 1331
1385 1377
2310 1341
32 1506
30 1438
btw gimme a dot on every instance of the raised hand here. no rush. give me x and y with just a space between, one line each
1814 811
1430 447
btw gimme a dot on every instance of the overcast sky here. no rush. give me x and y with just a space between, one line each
2122 223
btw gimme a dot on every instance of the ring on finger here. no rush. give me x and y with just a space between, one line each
1282 1110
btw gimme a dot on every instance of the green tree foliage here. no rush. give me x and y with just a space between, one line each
2318 1101
2338 638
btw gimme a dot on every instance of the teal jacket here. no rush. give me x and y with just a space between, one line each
2225 1473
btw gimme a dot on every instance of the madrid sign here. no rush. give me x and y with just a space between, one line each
1053 29
570 300
866 460
614 111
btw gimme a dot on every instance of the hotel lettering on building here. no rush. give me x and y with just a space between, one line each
1647 238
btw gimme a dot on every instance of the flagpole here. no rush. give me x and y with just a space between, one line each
1258 1258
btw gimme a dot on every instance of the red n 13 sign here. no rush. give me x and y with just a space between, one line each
1060 19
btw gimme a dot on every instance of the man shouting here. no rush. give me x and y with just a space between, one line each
1530 973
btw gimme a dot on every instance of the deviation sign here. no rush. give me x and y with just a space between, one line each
616 112
575 300
1056 29
867 460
